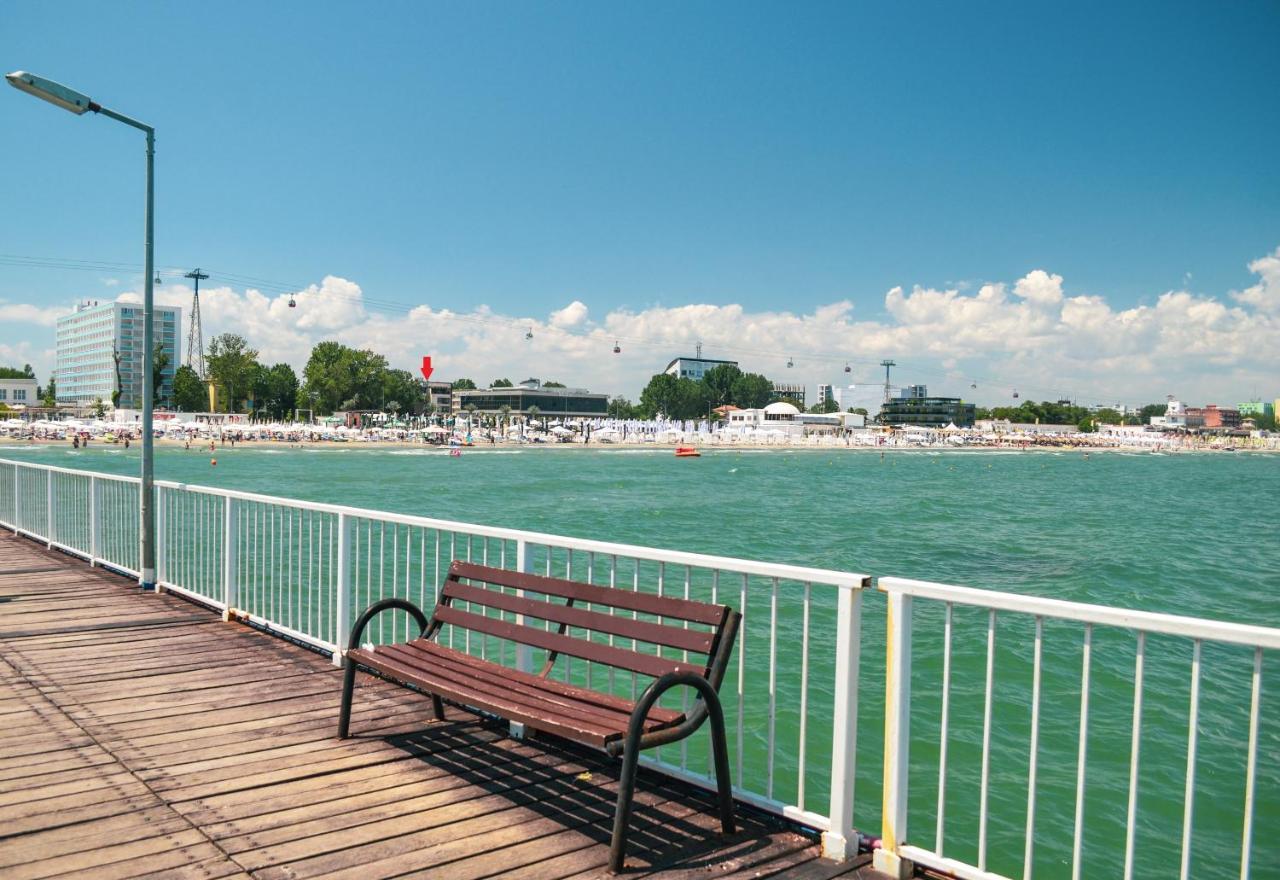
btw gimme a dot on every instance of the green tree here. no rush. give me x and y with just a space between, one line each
99 408
719 381
552 384
825 406
1107 416
50 397
1087 426
1152 409
621 408
189 394
463 385
501 383
401 387
751 391
275 390
115 393
341 377
534 412
13 373
859 410
232 365
674 398
160 393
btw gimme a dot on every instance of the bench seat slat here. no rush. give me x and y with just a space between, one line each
645 603
496 687
642 630
523 708
619 658
614 714
667 716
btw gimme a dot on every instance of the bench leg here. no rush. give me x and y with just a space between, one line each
622 815
720 753
348 686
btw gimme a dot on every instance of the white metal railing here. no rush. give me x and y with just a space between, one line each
1015 674
305 570
1237 682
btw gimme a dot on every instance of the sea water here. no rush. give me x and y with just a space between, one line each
1193 534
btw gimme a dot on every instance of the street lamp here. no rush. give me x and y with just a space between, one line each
69 99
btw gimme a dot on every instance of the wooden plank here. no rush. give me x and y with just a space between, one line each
583 618
605 655
645 603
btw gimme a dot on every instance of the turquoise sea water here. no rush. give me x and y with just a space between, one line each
1186 534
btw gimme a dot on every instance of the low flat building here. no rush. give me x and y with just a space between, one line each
1213 417
551 402
15 393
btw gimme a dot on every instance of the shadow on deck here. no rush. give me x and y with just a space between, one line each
142 736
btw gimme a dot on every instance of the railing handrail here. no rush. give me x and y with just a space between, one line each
119 478
1106 615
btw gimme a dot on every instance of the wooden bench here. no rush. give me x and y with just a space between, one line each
617 725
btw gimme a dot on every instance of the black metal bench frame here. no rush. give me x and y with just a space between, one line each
642 731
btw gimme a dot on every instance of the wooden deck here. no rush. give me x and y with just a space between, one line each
140 736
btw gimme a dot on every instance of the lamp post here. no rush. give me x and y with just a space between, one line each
69 99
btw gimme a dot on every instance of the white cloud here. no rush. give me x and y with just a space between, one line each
24 313
570 316
1265 295
1031 334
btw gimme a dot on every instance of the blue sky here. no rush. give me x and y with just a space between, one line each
644 159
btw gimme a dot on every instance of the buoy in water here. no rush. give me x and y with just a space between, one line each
213 462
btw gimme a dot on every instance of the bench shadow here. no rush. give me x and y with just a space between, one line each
673 824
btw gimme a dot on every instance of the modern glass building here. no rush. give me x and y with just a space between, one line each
912 406
89 338
551 402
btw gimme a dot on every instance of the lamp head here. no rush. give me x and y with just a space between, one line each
48 90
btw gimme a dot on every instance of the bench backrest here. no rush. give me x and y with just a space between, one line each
704 630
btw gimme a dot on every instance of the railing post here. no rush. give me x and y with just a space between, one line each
342 629
230 589
524 562
897 738
841 841
48 508
524 654
93 521
161 555
17 498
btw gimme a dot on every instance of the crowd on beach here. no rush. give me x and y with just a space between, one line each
614 432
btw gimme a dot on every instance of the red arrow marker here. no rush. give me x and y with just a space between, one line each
426 367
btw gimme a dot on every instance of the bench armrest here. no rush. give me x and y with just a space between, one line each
708 706
377 608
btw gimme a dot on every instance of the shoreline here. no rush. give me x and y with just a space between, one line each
1015 446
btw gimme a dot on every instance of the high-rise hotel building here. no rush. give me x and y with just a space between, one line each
87 339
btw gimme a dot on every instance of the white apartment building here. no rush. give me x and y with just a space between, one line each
16 393
90 336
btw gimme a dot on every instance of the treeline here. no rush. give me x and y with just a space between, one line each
337 377
676 397
1065 413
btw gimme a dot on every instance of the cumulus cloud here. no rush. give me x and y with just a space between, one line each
24 313
570 316
1030 333
1265 295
